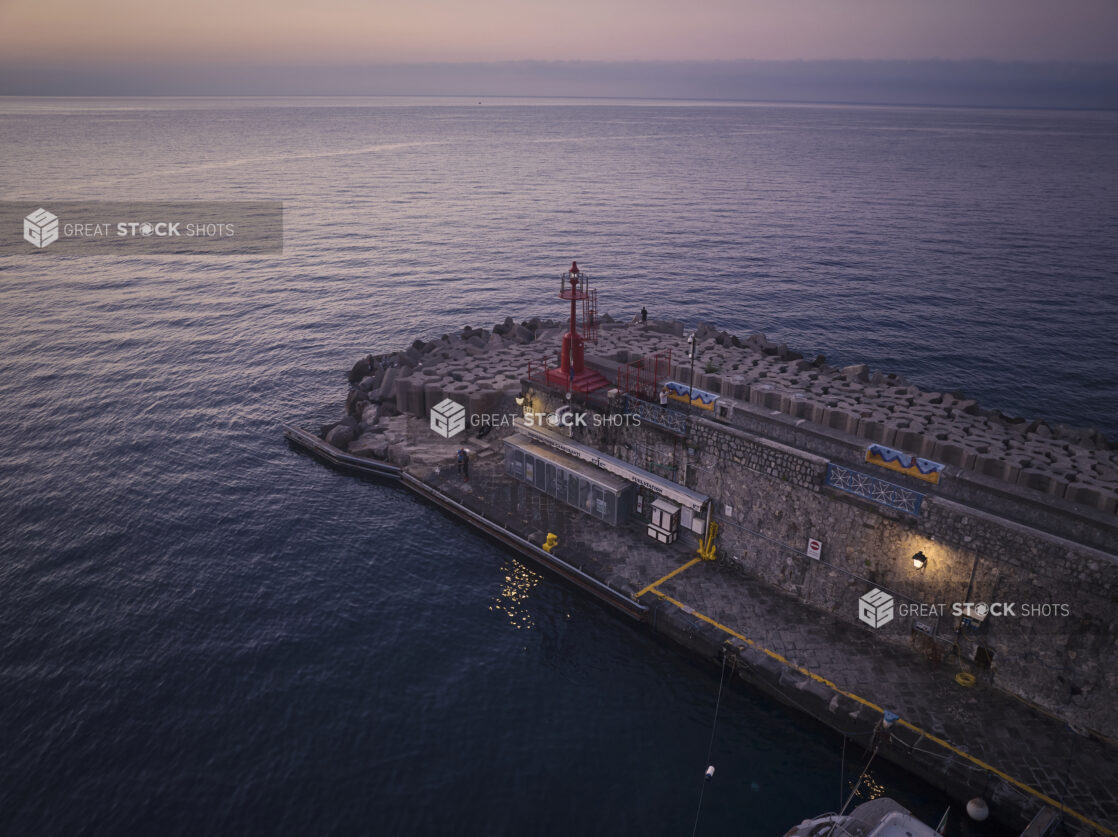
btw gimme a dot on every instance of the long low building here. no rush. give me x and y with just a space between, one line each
588 489
611 476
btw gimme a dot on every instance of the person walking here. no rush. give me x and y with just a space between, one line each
464 464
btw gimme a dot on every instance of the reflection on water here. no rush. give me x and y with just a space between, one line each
869 788
512 601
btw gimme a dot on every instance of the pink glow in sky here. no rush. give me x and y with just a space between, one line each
497 30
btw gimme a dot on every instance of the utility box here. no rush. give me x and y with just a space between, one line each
693 522
665 521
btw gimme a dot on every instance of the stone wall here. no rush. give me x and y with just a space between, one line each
770 498
1072 467
1084 524
993 530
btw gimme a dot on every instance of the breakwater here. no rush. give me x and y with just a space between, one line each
1071 464
814 505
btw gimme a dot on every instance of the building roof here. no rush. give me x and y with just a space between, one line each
575 466
672 490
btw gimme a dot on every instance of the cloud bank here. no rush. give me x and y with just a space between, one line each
960 83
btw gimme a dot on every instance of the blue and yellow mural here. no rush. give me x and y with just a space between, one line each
700 399
904 463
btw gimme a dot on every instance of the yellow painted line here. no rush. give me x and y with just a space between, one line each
673 573
978 762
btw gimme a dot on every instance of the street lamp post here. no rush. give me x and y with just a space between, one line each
691 385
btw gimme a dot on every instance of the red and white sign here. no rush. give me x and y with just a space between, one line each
814 548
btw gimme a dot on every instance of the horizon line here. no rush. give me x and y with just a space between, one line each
557 97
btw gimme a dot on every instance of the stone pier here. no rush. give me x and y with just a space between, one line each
1004 511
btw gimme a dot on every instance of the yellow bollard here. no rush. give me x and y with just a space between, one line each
707 549
551 542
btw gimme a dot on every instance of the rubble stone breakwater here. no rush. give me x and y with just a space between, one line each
1075 464
479 368
811 519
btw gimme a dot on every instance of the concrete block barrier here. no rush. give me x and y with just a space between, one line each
991 465
483 401
433 393
771 400
840 419
792 403
458 390
814 411
711 382
1040 479
1014 464
416 402
403 390
876 429
386 390
1092 496
911 441
951 452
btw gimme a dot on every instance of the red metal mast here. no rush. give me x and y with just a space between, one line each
572 372
572 355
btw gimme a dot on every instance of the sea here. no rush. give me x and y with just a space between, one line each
204 631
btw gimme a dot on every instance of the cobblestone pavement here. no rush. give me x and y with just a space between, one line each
1029 746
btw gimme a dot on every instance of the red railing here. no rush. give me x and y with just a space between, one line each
537 371
642 377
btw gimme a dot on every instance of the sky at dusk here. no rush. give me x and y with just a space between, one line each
78 46
601 30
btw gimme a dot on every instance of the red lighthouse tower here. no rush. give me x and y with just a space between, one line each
572 372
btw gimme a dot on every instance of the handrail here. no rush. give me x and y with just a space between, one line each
331 454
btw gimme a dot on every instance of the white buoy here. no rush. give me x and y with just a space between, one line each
977 809
710 773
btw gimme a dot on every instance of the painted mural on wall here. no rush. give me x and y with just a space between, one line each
698 398
904 463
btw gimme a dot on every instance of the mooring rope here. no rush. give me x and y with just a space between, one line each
861 776
710 747
879 733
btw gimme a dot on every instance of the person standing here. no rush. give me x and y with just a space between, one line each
663 396
644 314
465 465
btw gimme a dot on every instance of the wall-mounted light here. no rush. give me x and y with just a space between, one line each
919 560
520 401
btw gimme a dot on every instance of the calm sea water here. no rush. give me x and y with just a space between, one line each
204 631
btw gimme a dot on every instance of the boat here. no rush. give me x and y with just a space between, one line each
884 817
881 817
